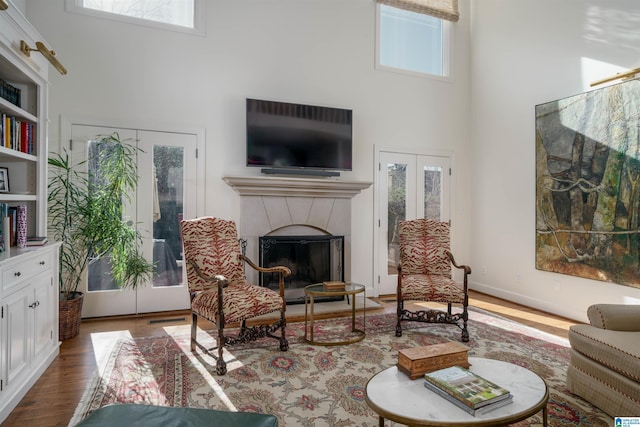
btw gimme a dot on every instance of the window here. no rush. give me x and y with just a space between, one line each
412 42
180 15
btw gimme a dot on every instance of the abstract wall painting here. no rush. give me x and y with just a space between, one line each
588 185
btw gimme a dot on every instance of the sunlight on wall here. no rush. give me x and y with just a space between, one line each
630 300
593 70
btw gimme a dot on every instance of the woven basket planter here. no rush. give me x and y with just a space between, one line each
70 312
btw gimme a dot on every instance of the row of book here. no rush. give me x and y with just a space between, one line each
9 229
17 134
10 93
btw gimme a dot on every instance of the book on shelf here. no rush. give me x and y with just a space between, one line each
416 361
335 285
10 93
17 134
467 390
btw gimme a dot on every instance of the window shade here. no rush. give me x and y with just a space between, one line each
443 9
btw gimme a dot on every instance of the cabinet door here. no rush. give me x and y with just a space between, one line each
43 314
17 321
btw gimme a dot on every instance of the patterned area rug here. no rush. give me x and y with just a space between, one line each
319 386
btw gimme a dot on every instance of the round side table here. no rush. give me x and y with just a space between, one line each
317 290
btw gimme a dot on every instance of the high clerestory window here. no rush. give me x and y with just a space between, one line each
179 15
414 36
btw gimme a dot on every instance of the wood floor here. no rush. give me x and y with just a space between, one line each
53 399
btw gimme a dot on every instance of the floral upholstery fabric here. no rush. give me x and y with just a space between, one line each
426 268
212 243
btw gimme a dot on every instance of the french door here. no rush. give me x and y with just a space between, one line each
167 169
410 186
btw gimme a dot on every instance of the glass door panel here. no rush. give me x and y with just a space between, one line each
165 197
396 210
168 191
102 297
397 203
433 180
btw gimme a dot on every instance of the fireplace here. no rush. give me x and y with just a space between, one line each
295 206
312 259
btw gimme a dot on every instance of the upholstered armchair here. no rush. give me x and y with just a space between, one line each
605 359
424 274
219 290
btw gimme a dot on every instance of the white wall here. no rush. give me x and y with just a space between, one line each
313 51
524 52
20 4
528 52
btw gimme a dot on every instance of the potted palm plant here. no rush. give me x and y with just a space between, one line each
86 215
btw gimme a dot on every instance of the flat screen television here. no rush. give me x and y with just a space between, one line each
289 136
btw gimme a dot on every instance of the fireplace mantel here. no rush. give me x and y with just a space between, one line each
295 187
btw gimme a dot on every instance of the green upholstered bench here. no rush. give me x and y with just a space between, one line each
155 416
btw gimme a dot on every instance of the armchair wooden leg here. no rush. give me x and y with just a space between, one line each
194 330
221 365
465 334
399 316
465 319
284 343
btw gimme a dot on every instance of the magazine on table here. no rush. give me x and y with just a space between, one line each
468 390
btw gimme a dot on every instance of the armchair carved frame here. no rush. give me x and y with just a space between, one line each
424 274
220 293
437 316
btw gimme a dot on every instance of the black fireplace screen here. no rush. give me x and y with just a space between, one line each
312 259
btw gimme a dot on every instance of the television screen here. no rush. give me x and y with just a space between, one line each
286 135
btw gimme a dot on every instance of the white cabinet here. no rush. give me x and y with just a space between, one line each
28 277
29 327
28 320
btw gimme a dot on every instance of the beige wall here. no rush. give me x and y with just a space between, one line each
524 53
521 53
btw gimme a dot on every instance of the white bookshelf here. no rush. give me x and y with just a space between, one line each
28 277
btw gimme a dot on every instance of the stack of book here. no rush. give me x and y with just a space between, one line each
333 286
467 390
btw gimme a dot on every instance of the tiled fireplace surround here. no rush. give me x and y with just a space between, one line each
280 206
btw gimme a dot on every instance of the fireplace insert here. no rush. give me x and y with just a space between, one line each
312 259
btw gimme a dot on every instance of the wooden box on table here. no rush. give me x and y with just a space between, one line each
417 361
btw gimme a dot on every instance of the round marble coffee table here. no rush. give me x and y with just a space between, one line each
392 395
